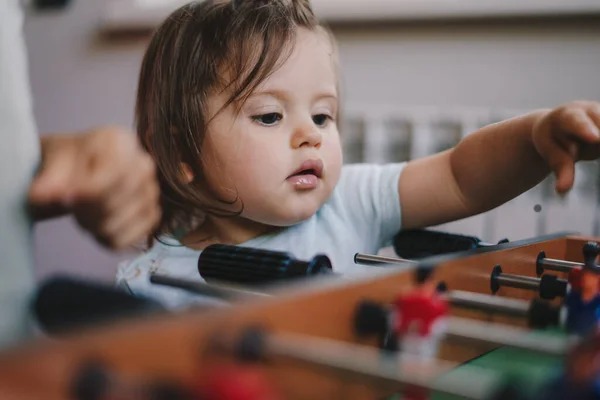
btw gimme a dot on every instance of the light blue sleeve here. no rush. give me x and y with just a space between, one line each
369 193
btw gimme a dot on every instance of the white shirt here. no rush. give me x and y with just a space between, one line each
361 216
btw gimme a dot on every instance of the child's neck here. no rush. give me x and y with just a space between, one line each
225 231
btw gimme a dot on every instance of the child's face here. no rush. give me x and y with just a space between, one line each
289 120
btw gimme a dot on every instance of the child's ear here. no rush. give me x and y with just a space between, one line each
186 174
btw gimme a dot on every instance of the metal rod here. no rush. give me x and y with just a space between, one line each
369 259
517 281
458 328
559 265
504 335
364 363
491 304
221 292
499 334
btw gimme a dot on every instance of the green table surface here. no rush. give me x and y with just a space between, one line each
529 370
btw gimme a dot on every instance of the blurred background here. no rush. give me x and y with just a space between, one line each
418 75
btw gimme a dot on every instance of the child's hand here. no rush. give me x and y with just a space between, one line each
566 135
105 179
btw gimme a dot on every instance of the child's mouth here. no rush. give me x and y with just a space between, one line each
306 172
307 176
304 181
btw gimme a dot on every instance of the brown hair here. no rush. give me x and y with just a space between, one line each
189 57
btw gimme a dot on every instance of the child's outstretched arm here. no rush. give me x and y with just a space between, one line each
499 162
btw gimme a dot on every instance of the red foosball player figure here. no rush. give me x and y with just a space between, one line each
235 382
419 324
574 279
583 300
419 320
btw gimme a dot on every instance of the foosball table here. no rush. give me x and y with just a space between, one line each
515 320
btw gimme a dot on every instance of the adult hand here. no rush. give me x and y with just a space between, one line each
105 179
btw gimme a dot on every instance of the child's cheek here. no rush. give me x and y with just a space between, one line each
333 148
251 164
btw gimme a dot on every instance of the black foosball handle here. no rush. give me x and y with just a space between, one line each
251 266
44 5
421 243
64 303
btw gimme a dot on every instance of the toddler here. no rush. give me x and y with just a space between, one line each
239 105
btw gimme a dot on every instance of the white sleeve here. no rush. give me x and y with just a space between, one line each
370 196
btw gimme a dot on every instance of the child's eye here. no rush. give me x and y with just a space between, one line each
268 119
321 119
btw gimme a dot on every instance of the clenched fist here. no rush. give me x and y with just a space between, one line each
568 134
105 179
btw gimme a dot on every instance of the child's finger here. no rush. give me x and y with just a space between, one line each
573 150
565 177
563 166
594 114
577 122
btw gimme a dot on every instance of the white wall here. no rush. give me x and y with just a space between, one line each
78 83
489 65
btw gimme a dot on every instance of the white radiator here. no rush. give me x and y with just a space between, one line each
380 134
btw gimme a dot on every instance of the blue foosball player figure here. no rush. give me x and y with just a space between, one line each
583 301
580 378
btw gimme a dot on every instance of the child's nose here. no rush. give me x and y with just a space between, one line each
306 136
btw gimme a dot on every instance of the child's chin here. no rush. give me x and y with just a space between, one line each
304 214
295 218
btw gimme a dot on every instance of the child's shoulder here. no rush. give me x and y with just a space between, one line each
365 185
166 257
363 174
367 196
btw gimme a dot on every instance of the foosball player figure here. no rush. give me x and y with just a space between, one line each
419 324
574 280
96 381
574 276
230 381
580 378
583 300
235 382
419 317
